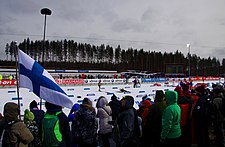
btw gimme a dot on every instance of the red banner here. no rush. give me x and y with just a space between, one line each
70 82
7 82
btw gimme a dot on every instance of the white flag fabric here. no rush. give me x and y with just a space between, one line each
34 77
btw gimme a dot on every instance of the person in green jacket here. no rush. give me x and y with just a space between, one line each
171 131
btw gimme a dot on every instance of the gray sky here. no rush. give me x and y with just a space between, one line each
155 25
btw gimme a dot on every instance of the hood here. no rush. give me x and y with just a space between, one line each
171 97
33 104
159 95
146 103
114 97
102 101
11 111
87 101
127 102
75 107
87 106
179 90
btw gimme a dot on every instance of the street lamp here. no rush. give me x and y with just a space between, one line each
189 60
45 12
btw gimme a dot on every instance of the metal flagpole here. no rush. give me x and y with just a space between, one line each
17 75
45 12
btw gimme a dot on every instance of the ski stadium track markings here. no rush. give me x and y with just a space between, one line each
91 94
15 98
12 91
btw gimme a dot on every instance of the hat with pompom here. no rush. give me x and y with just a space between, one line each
28 116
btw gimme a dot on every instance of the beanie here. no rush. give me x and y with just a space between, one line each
28 116
159 95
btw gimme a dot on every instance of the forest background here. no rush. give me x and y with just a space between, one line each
72 55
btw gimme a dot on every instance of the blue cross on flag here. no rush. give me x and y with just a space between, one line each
34 77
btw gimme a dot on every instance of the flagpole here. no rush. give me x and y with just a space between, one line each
45 12
17 77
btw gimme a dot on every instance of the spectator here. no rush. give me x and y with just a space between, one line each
125 133
200 118
218 116
15 131
1 117
171 131
55 129
38 114
115 105
185 101
85 125
104 113
152 125
32 126
73 111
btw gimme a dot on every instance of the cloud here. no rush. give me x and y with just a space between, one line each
152 25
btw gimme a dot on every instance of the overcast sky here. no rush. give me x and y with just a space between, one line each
155 25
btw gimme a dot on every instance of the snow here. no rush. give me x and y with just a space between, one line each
74 92
89 91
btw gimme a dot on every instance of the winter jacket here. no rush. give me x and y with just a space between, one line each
115 105
217 107
39 114
63 124
171 117
19 135
146 104
85 125
124 126
153 121
104 113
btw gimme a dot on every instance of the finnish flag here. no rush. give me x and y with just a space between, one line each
34 77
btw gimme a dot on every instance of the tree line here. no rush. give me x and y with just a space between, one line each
68 54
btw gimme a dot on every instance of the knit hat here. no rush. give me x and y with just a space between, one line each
28 116
33 104
159 95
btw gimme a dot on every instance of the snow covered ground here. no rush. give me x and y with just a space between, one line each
77 93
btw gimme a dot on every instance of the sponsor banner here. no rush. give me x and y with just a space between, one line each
105 81
7 82
196 79
154 80
70 82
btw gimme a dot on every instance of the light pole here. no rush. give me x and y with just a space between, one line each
189 60
45 12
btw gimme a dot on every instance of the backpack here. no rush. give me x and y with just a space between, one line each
7 134
51 135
